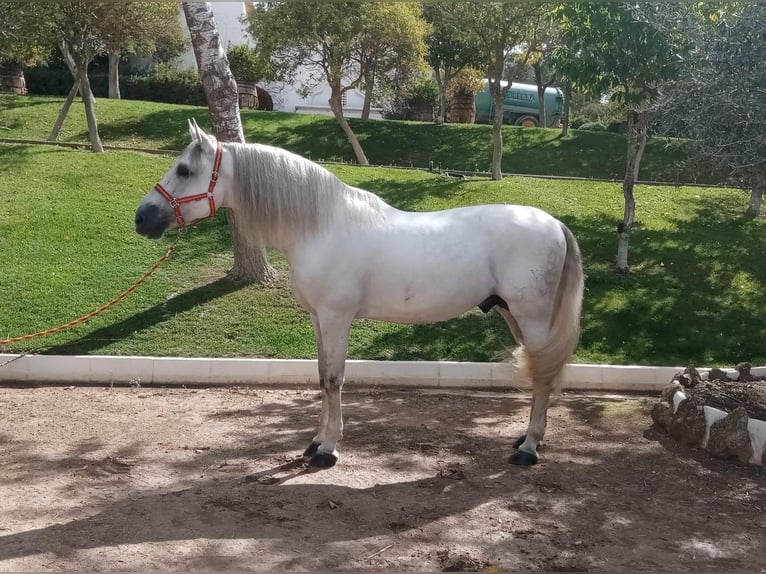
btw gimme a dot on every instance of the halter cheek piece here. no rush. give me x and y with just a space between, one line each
175 202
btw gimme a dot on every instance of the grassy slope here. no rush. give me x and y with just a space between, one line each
696 293
456 146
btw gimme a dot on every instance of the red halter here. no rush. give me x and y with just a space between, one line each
175 202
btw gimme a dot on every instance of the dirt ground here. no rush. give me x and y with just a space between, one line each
190 479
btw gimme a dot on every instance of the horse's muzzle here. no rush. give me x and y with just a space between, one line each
151 222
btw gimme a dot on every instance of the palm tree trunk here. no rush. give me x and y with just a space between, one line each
251 263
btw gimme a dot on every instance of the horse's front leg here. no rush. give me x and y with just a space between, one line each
334 335
319 436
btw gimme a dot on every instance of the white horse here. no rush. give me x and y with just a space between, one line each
352 255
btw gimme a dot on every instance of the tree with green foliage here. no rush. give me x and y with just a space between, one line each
617 49
451 47
548 32
80 40
320 37
138 28
26 33
349 45
720 100
507 37
392 49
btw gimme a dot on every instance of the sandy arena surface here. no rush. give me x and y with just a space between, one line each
189 479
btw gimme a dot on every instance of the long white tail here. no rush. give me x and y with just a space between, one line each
544 364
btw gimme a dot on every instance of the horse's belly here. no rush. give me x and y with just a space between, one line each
412 306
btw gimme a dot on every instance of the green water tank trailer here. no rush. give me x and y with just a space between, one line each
520 106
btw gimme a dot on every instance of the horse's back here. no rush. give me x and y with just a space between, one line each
431 266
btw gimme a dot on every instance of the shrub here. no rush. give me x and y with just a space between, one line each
246 65
164 83
423 94
593 127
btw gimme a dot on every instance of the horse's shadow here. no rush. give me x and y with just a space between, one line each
150 317
257 507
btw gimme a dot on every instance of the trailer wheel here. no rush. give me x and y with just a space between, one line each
526 121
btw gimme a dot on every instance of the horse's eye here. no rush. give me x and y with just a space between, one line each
183 170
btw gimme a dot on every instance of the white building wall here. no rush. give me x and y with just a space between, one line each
228 17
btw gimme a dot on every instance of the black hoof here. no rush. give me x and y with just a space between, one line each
323 460
311 450
520 441
523 458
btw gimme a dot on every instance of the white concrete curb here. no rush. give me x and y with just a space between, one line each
100 369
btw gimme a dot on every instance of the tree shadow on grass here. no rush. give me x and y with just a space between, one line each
409 195
147 319
695 293
19 156
168 127
470 337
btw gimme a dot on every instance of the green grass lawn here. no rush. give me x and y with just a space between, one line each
696 293
455 146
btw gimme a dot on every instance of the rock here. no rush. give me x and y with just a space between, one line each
662 412
729 437
744 372
669 391
716 374
688 423
692 375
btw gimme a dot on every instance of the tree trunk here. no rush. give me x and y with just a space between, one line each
114 75
637 125
78 66
756 194
90 109
497 137
441 81
367 104
567 107
336 105
540 95
250 261
54 135
369 85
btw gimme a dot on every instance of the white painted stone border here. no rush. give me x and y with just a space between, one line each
756 429
101 369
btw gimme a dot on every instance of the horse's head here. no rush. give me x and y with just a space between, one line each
188 192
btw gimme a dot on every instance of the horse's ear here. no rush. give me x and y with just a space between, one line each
193 130
198 135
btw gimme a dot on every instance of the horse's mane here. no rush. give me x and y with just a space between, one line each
284 196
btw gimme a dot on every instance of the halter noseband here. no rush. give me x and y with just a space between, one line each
175 202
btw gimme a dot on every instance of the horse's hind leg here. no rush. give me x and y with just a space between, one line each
543 381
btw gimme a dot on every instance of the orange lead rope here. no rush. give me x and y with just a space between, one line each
175 204
101 309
